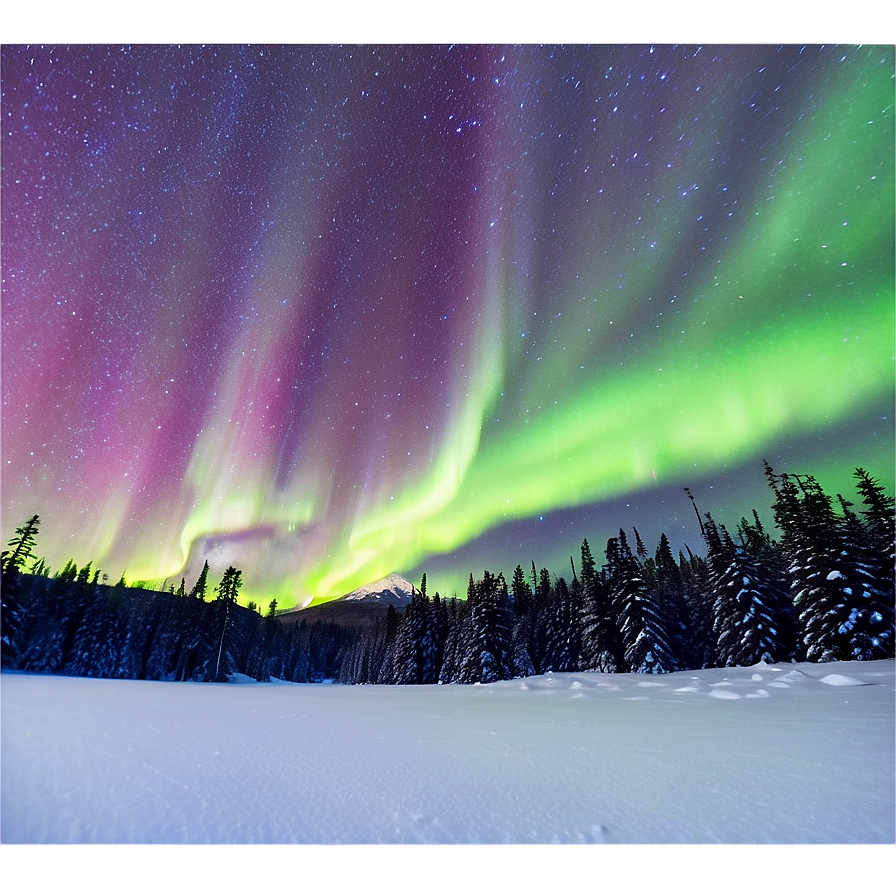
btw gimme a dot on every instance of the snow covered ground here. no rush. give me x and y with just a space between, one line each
780 754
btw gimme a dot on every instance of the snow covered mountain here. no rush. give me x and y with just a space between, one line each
391 590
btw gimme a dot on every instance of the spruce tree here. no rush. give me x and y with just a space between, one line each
83 576
198 590
229 587
834 592
408 660
520 591
562 631
521 597
871 617
700 652
455 641
99 640
663 579
68 573
643 627
22 546
12 619
880 526
600 644
488 655
748 607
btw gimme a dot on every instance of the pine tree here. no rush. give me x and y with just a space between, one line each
700 652
642 625
229 587
879 510
52 632
520 591
521 636
83 576
385 673
99 640
198 590
563 640
408 662
68 573
594 612
601 639
542 619
748 607
488 654
12 619
837 601
880 525
871 621
22 546
456 640
227 593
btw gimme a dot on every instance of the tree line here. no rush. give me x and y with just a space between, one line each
74 624
822 590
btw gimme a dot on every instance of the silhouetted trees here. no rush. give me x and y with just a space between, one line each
824 591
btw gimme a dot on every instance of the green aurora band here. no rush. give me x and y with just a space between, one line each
646 362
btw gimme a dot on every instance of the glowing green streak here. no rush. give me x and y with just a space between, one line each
725 387
718 396
611 438
397 534
778 338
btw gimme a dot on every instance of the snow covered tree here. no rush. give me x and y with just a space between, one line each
542 619
297 663
384 671
871 620
521 636
457 641
837 597
700 652
520 592
408 662
600 645
99 640
880 538
642 626
664 581
748 607
880 520
562 631
488 654
12 619
52 632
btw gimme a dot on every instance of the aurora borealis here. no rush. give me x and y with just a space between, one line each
326 313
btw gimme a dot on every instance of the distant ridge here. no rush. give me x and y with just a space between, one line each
359 608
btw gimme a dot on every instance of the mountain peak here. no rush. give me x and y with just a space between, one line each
393 589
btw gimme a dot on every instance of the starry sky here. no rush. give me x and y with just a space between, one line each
327 313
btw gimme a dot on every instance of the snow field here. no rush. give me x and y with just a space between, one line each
790 754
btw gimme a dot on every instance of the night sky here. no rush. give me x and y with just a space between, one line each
327 313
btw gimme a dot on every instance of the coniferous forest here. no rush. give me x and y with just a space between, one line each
821 588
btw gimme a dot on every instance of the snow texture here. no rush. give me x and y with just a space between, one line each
789 753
